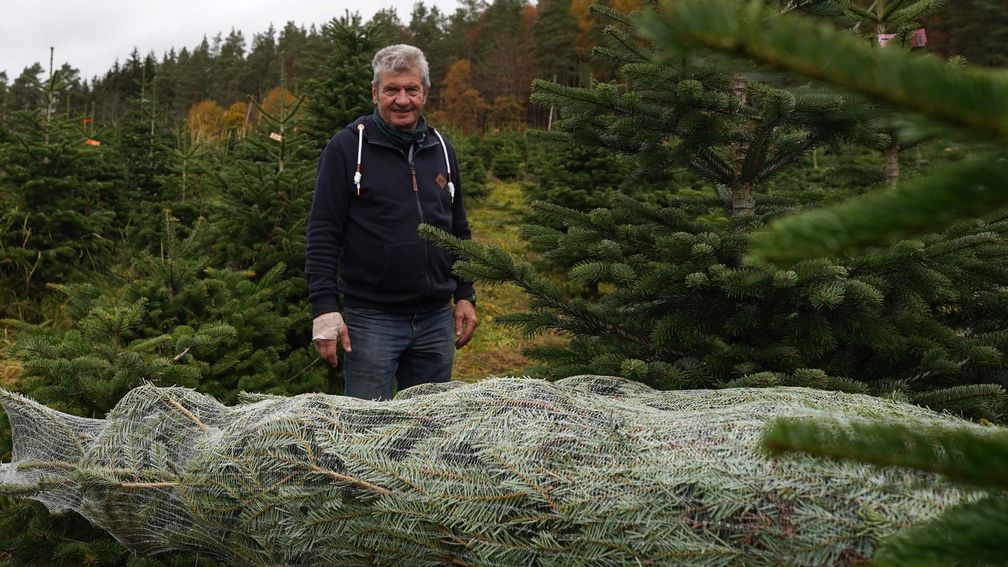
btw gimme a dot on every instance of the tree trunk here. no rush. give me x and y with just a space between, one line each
892 166
743 199
739 150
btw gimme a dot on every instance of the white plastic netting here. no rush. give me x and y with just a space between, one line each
590 470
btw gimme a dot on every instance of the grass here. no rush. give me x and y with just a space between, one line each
496 350
10 368
9 372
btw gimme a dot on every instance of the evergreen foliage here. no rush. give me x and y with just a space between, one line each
714 118
143 144
974 29
507 162
554 41
477 179
682 311
875 22
972 533
965 99
268 348
263 194
187 182
342 94
58 194
177 321
576 176
667 298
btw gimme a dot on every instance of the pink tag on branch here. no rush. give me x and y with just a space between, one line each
918 38
885 38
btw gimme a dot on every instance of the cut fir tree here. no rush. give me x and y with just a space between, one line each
589 471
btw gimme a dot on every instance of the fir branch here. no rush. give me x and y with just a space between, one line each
971 188
969 534
970 99
969 454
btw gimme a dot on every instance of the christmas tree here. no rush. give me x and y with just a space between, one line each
57 191
343 95
588 471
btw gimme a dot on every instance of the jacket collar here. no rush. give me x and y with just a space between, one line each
373 136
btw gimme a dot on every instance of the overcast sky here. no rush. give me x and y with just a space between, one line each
92 34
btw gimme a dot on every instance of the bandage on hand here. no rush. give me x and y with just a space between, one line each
327 326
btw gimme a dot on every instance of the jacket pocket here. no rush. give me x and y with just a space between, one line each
440 267
405 268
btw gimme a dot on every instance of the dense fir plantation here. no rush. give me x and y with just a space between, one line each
636 168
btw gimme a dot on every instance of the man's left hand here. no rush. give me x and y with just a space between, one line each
465 322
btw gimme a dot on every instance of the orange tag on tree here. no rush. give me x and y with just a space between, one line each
92 142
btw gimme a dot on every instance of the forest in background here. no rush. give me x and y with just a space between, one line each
483 59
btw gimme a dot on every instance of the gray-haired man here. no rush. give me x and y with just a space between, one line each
378 179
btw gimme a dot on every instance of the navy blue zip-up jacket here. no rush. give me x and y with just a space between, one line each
366 246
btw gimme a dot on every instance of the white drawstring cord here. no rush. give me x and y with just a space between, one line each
451 186
360 143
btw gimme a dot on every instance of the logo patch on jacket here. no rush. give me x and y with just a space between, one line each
441 181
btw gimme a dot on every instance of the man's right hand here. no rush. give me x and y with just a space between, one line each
327 329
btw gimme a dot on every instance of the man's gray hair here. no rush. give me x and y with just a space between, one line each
400 58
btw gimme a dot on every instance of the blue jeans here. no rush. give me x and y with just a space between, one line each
403 348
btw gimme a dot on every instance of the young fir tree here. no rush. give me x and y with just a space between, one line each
890 24
187 187
681 309
722 122
57 192
579 177
256 223
972 106
264 191
343 94
144 148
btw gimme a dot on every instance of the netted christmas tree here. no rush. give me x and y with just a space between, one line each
922 320
590 470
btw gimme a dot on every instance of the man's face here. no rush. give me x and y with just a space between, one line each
400 98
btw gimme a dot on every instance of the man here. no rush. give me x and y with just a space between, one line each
379 179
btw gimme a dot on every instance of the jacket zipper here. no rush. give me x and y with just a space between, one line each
416 194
